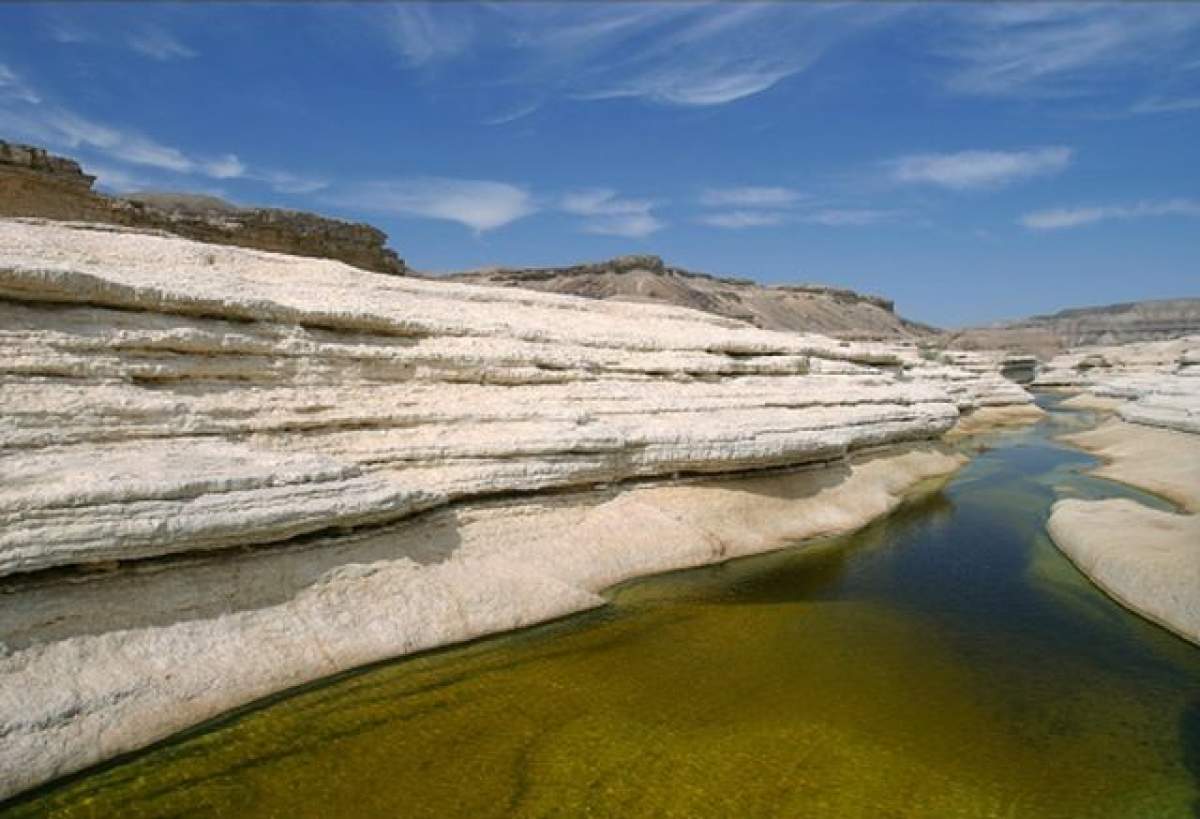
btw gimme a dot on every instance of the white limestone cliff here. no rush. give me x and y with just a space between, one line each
224 472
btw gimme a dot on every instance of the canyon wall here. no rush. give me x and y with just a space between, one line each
35 183
224 472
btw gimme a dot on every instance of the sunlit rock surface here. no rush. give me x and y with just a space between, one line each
1160 381
1147 559
175 412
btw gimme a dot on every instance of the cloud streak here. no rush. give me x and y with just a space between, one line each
1063 218
608 214
26 115
739 219
1061 50
714 83
750 197
479 204
159 44
848 217
1159 105
682 54
978 169
425 34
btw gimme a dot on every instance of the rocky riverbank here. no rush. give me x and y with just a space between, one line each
227 471
1147 559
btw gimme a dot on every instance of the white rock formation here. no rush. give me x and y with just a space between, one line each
211 459
1147 559
1160 380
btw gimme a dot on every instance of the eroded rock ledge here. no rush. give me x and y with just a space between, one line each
34 182
1147 559
224 472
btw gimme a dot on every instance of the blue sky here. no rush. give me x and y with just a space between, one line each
973 162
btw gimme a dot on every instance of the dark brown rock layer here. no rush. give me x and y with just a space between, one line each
36 183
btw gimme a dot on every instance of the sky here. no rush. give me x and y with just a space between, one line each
974 162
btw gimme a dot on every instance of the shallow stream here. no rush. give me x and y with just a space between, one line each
944 662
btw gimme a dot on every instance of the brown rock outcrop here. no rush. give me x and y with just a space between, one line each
792 308
36 183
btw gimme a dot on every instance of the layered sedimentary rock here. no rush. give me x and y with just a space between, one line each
35 183
1147 559
224 471
1113 324
806 308
1158 382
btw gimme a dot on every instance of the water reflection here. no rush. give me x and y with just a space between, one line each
1189 738
944 662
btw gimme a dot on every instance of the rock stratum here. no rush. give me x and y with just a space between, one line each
35 183
810 308
1113 324
1147 559
225 472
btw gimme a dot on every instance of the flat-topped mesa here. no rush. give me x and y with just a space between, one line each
1113 324
27 158
35 183
816 308
839 294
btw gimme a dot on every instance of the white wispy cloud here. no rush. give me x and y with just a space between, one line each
827 217
67 32
14 89
157 43
739 219
750 197
25 115
978 169
66 128
678 54
1061 49
225 167
713 83
848 217
424 33
479 204
1060 218
512 115
1159 105
609 214
117 180
750 206
285 182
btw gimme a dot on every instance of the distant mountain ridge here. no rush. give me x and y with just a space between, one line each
1122 323
796 307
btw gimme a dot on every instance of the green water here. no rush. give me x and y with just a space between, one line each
944 662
